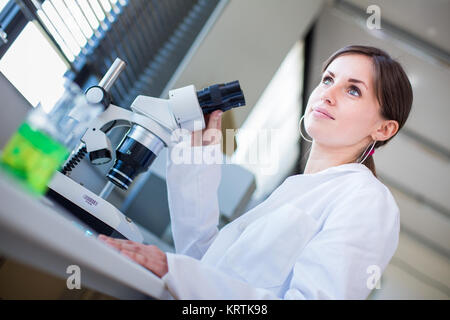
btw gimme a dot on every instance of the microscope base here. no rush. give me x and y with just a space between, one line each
92 210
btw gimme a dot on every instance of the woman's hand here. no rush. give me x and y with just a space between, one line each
148 256
212 134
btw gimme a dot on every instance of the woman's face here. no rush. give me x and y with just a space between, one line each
347 93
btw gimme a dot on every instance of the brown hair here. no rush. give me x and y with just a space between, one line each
392 88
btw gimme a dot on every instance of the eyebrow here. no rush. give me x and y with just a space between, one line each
350 80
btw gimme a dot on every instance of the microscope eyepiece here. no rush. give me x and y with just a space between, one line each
134 155
221 96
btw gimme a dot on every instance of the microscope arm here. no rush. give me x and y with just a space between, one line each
181 111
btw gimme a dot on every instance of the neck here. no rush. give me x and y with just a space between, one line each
323 157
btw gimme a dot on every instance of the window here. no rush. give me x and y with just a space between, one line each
86 36
74 24
32 64
34 67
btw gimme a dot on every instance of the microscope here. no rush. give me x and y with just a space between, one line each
151 122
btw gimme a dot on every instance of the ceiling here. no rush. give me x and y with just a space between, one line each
427 20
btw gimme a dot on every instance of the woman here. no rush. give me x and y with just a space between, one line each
326 234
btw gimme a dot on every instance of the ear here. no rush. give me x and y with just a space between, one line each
386 130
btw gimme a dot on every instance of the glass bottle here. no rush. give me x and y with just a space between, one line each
43 142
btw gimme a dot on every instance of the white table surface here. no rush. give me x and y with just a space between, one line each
36 233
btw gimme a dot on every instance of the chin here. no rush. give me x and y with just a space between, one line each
318 131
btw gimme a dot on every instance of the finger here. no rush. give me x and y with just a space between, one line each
152 263
154 251
213 132
159 260
126 245
215 120
119 240
131 247
212 136
102 237
149 256
112 244
138 257
109 241
118 243
105 238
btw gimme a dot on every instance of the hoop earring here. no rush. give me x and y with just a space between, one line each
301 119
367 153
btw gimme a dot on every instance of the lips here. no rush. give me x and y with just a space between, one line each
324 111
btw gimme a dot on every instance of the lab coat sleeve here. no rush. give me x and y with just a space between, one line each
193 177
347 257
359 237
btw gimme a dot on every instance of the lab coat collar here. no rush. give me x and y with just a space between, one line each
348 167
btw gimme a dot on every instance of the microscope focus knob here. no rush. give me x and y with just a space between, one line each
99 157
97 94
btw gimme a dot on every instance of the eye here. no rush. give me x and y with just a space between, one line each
327 80
354 91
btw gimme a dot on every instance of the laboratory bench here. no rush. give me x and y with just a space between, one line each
39 234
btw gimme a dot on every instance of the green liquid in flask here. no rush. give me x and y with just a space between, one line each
33 157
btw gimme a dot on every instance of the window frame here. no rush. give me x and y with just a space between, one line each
12 21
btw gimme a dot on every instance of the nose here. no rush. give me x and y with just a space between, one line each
328 95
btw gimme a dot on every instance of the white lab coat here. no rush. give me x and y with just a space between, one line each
327 235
